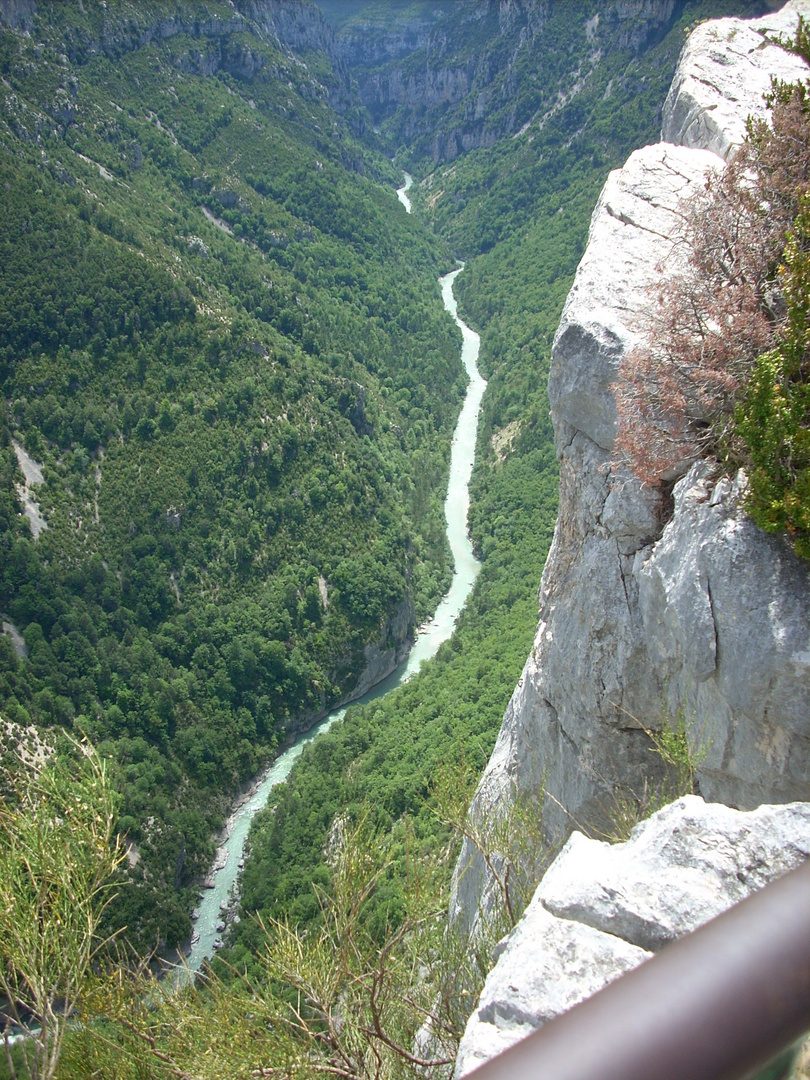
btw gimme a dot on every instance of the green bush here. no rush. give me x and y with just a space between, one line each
773 420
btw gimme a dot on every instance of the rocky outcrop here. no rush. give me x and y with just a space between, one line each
602 908
32 475
631 235
722 76
17 640
18 14
569 724
650 605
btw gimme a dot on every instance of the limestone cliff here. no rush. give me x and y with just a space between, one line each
450 79
647 602
296 26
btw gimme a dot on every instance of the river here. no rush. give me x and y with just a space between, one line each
402 193
210 915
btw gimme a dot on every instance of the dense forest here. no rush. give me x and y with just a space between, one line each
222 342
226 350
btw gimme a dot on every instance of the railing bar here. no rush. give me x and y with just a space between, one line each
716 1005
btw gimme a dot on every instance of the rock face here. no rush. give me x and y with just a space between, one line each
294 25
300 27
18 14
725 612
601 909
384 656
448 89
733 56
647 604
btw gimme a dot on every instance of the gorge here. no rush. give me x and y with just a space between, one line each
221 896
223 346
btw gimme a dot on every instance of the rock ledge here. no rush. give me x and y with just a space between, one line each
602 908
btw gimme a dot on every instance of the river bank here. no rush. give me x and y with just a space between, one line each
219 896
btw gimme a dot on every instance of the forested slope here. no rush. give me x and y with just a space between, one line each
225 346
221 339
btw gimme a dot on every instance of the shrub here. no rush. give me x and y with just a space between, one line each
58 852
710 322
683 749
773 420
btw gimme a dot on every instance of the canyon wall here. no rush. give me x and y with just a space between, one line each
654 607
651 607
445 82
294 25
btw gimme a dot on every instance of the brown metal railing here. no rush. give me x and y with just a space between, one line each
716 1005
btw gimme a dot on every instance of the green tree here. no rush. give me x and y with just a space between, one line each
774 418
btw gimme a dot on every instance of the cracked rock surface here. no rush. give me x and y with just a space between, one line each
723 74
644 609
602 908
726 615
629 245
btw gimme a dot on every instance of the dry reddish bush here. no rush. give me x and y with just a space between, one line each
707 324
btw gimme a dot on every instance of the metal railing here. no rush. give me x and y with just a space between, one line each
718 1004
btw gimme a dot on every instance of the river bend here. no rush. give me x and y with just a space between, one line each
210 916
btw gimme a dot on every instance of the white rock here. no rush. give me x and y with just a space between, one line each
680 868
723 74
601 909
630 243
548 965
